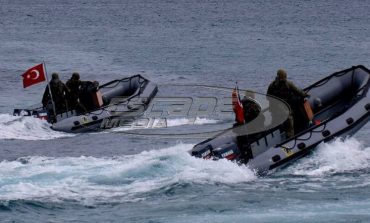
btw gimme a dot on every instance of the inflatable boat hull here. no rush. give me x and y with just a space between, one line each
123 101
345 109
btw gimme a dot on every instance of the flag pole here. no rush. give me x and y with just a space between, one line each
237 89
51 96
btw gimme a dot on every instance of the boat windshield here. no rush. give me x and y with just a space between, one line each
271 113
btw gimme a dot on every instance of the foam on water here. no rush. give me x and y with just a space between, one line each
27 128
339 156
124 178
159 124
187 121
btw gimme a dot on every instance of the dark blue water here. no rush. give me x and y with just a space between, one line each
48 176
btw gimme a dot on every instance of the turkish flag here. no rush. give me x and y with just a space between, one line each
34 75
237 106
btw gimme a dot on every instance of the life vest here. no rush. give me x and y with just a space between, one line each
251 109
57 90
281 90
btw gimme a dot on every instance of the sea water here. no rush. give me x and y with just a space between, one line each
48 176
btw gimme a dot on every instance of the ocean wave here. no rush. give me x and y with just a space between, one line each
340 156
27 128
193 121
90 180
163 124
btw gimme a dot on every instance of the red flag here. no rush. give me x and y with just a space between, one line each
237 106
34 75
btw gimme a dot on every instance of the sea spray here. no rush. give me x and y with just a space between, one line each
122 178
338 156
27 128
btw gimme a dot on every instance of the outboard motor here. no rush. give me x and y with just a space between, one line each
228 151
201 151
41 113
21 112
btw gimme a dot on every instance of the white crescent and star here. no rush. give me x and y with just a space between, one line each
36 77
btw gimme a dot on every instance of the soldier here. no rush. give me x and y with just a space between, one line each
59 92
74 84
251 108
287 91
251 111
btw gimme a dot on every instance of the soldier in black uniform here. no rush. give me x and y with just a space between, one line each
294 96
74 84
59 92
251 108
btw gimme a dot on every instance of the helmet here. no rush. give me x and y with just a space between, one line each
281 74
54 76
249 94
76 76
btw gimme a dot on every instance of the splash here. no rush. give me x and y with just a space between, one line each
27 128
92 180
339 156
168 123
188 121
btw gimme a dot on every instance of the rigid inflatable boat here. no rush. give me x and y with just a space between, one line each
124 99
343 109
